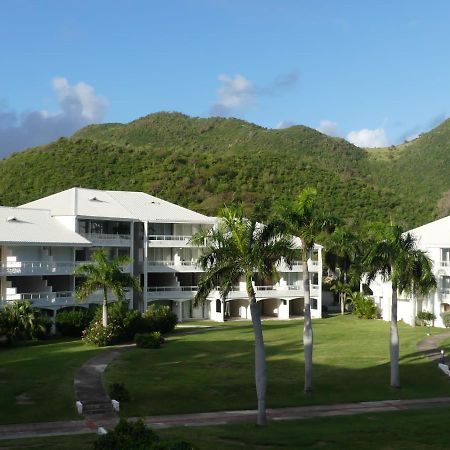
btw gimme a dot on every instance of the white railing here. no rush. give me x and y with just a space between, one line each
106 236
37 267
172 289
50 297
168 237
174 263
445 263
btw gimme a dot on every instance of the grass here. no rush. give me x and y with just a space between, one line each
406 430
42 375
213 370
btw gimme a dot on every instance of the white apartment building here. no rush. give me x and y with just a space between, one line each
41 243
434 239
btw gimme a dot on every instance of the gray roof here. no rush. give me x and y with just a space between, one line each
117 205
36 227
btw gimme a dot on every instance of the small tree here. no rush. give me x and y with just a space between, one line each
102 274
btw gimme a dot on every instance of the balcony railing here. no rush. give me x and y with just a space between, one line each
38 267
178 265
172 289
108 238
168 237
445 263
45 299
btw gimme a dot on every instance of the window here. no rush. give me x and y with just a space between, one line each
446 284
218 306
445 256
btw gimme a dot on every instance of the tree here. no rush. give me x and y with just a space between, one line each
303 219
343 290
239 248
342 254
102 274
393 254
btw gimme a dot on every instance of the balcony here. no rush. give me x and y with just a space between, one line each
173 266
101 239
297 266
171 292
288 291
54 299
37 268
166 240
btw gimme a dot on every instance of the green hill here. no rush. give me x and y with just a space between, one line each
202 163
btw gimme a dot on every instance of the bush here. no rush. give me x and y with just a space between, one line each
127 436
160 318
101 336
446 319
73 322
126 322
20 321
118 391
149 340
363 307
136 436
425 318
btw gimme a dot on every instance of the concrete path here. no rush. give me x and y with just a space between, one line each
220 418
430 346
89 387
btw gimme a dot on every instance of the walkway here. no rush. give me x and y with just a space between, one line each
220 418
430 345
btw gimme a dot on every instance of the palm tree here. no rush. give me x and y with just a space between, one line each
343 290
303 220
239 248
342 254
102 274
394 256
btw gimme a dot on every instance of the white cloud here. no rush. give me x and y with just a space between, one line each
79 98
239 93
284 124
235 93
368 138
328 127
79 105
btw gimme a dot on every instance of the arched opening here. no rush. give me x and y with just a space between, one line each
269 307
237 309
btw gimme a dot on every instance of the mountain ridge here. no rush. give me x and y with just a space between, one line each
201 163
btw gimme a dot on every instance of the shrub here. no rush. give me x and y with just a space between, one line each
136 436
20 321
160 318
127 436
425 318
446 319
101 336
149 340
118 391
125 321
363 307
73 322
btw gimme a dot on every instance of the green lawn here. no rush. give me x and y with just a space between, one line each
406 430
213 370
40 374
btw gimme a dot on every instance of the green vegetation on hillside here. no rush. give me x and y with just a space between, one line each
203 163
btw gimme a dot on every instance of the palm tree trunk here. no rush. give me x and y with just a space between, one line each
105 308
341 298
260 355
307 328
394 343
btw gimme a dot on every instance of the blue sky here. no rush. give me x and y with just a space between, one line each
375 72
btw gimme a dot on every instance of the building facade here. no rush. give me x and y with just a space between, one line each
434 239
44 240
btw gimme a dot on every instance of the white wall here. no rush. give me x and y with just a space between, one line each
68 221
